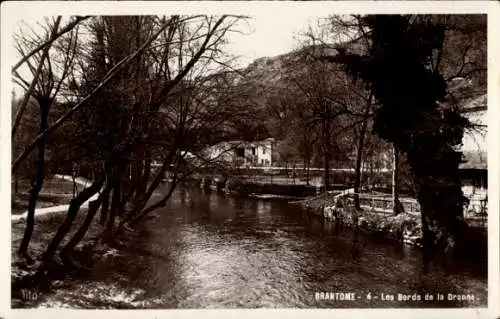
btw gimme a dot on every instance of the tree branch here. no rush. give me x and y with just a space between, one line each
109 76
48 43
38 71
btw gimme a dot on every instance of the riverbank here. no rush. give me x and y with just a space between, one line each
49 214
45 228
406 227
339 207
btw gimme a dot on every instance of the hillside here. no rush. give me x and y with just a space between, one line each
267 80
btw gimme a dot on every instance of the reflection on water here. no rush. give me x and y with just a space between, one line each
209 250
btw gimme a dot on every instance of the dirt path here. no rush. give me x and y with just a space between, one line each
59 208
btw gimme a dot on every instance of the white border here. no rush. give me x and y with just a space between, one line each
12 10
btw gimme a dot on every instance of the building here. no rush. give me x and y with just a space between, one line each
242 153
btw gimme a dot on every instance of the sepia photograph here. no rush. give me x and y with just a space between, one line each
201 161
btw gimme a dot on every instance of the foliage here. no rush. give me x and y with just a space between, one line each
407 82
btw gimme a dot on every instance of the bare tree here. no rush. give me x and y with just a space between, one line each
149 80
50 73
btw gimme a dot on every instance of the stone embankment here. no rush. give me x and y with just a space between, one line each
339 207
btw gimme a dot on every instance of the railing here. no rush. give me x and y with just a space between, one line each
384 203
476 212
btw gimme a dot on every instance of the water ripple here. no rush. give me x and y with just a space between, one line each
211 251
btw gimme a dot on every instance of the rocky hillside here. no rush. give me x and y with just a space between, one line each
267 80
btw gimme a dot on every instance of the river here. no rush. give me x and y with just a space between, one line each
208 250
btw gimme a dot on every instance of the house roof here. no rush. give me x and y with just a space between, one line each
238 143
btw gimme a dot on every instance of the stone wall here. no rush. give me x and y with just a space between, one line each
404 227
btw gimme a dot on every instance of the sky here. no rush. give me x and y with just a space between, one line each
266 36
261 35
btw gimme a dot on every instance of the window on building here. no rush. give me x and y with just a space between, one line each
263 151
240 152
253 150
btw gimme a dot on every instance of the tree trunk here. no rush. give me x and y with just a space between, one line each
160 203
137 181
73 178
326 158
104 209
359 153
140 184
439 193
106 193
115 203
67 250
144 197
140 215
73 209
372 177
396 204
37 187
147 167
359 160
121 195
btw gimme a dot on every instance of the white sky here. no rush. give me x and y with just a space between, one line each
261 35
266 35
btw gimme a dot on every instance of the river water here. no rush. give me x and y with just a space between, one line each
208 250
